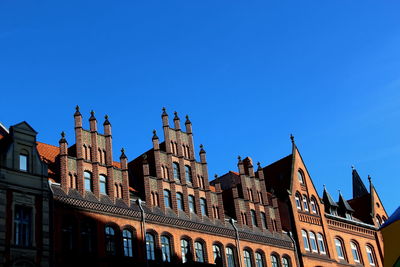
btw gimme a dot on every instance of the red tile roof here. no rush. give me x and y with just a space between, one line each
48 152
212 188
117 164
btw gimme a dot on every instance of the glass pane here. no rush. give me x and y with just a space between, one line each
23 162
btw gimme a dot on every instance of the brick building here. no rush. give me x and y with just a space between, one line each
161 209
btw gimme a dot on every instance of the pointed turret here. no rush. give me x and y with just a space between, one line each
177 121
93 122
78 117
202 154
240 165
330 205
188 125
156 144
359 188
164 117
345 209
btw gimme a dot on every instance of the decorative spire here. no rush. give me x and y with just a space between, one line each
259 166
176 116
164 113
352 167
292 138
215 176
239 159
123 156
77 112
187 120
369 178
62 140
155 135
106 121
202 149
92 117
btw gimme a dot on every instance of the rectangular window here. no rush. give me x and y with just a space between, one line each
23 226
23 162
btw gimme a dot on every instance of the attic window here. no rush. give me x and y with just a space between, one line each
300 177
23 162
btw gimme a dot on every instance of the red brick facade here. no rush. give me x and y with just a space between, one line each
160 208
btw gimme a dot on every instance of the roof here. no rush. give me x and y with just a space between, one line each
393 218
344 203
212 188
117 164
327 198
48 152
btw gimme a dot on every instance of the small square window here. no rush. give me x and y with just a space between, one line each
23 162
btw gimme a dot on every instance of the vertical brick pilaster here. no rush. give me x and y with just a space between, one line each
194 173
173 197
185 200
268 215
147 191
160 190
109 161
64 162
79 154
221 210
94 156
238 216
277 216
209 205
197 202
125 179
258 214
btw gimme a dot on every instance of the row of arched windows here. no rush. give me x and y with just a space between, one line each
304 204
87 154
254 221
88 184
197 252
252 198
313 243
380 220
185 149
85 238
355 252
179 201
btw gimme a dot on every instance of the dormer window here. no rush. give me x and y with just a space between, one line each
334 211
23 162
348 216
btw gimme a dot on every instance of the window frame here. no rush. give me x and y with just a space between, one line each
306 242
88 181
339 249
103 182
166 248
192 204
127 242
23 164
150 246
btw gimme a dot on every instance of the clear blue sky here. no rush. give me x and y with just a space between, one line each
248 73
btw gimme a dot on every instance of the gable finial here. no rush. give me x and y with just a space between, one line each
292 138
155 134
187 120
369 178
239 158
259 165
77 113
62 134
92 117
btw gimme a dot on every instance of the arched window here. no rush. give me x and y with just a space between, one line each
179 200
23 162
251 195
110 241
167 198
313 242
264 220
177 175
300 177
305 202
127 240
150 247
203 206
355 252
285 262
188 174
379 220
192 207
260 198
313 206
339 249
274 261
217 254
305 240
88 180
88 237
230 256
100 156
103 184
384 219
298 203
199 251
253 217
259 260
370 255
247 258
200 181
166 248
321 244
185 250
